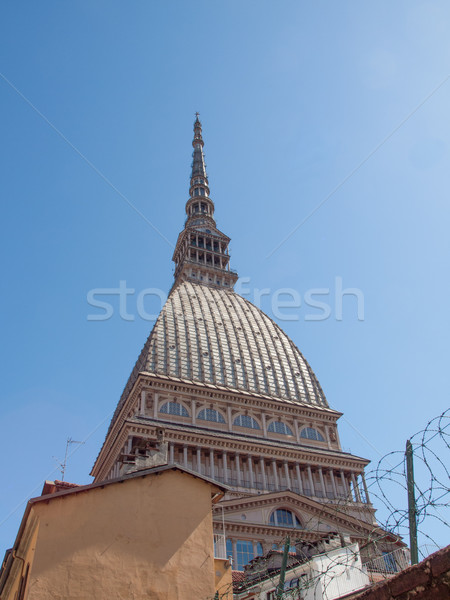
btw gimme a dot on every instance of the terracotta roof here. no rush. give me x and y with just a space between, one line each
65 485
74 488
50 487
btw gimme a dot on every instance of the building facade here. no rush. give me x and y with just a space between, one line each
239 404
126 538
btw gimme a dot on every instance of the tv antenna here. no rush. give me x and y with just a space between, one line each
63 465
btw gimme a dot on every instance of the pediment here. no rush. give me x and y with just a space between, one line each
313 515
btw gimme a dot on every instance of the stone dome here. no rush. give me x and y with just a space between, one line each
214 336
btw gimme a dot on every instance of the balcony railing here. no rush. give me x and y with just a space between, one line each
390 563
220 546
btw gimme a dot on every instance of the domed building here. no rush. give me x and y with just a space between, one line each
237 402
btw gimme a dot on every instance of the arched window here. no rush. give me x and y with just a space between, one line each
284 518
279 427
174 408
209 414
246 421
311 434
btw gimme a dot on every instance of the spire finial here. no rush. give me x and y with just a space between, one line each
201 253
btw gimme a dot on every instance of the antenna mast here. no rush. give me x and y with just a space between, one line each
63 464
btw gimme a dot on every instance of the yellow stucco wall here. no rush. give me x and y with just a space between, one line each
145 538
21 560
223 579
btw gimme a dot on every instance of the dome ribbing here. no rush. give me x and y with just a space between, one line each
209 335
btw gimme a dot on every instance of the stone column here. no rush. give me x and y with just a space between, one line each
235 561
171 453
366 491
199 460
356 488
297 432
327 433
250 472
128 445
185 456
346 488
333 483
212 471
275 474
311 481
230 419
238 469
322 482
299 478
142 403
263 472
225 466
155 405
263 419
194 411
286 474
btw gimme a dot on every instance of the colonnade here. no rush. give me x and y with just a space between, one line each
251 472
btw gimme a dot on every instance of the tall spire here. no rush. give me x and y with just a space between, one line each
198 164
201 253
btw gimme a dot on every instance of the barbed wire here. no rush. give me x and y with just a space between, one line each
387 483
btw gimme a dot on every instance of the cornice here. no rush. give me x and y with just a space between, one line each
249 399
209 392
265 531
261 447
111 436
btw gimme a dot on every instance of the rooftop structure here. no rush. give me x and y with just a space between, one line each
240 404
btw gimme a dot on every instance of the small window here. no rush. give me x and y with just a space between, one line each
209 414
246 421
229 544
244 553
279 427
284 518
174 408
311 434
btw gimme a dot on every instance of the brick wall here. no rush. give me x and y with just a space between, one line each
429 580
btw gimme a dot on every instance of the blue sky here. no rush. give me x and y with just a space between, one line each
293 97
